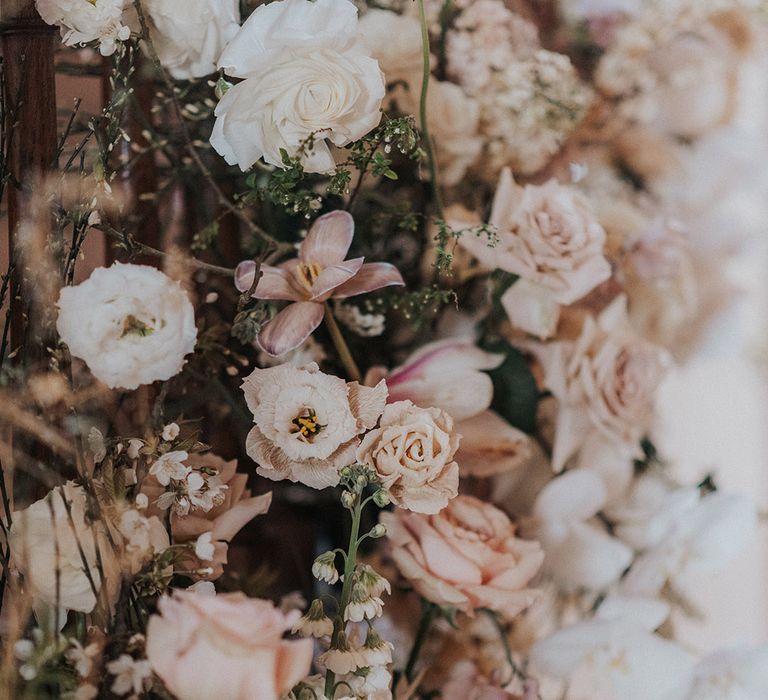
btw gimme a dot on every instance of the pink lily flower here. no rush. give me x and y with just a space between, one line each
318 274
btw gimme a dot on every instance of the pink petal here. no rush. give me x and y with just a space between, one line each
371 276
227 525
291 327
334 276
328 239
275 282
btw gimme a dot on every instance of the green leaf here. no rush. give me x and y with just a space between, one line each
515 395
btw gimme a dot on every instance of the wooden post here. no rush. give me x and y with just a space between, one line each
27 44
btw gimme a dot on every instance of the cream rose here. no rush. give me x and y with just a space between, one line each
548 235
466 556
241 638
306 76
83 21
189 35
131 324
412 453
43 541
605 381
307 422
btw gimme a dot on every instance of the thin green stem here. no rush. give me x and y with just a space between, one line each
350 562
428 615
341 346
505 644
428 146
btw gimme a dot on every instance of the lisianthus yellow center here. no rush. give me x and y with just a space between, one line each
135 326
307 424
308 273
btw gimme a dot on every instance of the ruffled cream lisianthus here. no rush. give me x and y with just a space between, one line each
308 78
131 324
307 422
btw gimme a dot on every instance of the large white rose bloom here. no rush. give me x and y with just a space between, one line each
189 35
131 324
307 75
83 21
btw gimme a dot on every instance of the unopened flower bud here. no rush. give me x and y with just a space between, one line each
222 87
378 530
381 498
348 499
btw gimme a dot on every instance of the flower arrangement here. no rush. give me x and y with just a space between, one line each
361 402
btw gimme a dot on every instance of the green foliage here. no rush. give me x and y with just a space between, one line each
417 306
448 237
515 394
248 322
203 239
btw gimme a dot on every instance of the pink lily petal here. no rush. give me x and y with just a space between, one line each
334 276
371 276
291 327
328 239
275 282
228 524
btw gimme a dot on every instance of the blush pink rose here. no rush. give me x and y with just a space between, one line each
225 646
412 454
465 556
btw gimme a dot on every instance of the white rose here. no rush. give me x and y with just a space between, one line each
83 21
131 324
44 541
190 35
307 76
395 42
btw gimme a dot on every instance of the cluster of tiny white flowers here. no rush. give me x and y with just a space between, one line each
528 110
186 488
364 325
486 38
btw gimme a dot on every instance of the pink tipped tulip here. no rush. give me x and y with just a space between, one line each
318 274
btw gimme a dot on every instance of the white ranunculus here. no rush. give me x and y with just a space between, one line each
83 21
44 540
616 656
308 78
580 553
131 324
190 35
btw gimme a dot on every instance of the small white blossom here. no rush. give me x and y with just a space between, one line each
23 649
130 675
81 658
142 501
324 569
314 623
134 445
343 658
203 588
170 466
362 605
204 547
170 432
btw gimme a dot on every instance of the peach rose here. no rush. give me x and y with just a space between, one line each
412 453
548 235
225 646
223 521
605 381
466 556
